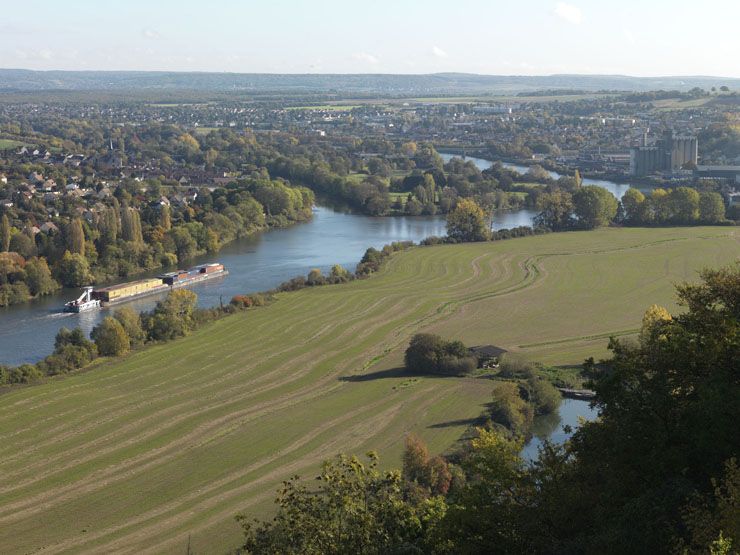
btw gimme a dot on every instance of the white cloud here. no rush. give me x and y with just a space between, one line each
149 33
439 53
45 54
366 58
628 36
568 12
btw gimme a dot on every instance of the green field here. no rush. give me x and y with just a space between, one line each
10 143
135 455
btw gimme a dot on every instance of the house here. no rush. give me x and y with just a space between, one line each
3 178
49 227
6 203
35 178
179 200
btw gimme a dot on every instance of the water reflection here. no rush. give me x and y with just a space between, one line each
551 426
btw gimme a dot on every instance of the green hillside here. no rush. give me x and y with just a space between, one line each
134 455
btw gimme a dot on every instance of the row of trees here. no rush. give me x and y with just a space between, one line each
591 206
173 317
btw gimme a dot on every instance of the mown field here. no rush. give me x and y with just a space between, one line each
135 455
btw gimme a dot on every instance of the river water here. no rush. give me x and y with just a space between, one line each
257 263
550 426
617 189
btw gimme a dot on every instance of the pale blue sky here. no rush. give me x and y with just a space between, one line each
522 37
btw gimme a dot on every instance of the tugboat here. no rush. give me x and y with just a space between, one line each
83 303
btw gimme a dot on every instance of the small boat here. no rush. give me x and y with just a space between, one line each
84 303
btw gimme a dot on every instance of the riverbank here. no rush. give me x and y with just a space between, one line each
256 263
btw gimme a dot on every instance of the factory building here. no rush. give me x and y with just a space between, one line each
670 153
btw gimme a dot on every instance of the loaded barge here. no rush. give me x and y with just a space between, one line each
123 292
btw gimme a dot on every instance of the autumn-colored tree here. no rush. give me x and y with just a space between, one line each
131 322
110 337
467 222
165 218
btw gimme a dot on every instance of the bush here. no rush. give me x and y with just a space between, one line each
510 409
25 373
545 396
514 367
430 354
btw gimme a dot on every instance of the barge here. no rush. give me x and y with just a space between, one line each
123 292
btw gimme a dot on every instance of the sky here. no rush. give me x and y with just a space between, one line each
512 37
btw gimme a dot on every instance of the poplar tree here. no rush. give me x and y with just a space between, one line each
5 233
76 237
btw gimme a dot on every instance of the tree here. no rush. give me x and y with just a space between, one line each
633 204
430 354
23 245
185 246
467 222
73 270
354 508
131 322
110 337
38 277
76 237
172 317
485 517
668 413
431 474
594 206
684 205
165 218
556 209
4 233
711 207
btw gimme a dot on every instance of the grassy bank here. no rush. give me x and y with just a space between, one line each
176 439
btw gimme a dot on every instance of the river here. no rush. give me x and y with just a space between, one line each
617 189
550 426
257 263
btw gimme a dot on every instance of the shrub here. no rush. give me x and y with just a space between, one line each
514 367
509 409
545 396
25 373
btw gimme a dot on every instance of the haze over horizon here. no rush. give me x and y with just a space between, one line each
539 37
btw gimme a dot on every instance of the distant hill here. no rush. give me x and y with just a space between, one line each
438 83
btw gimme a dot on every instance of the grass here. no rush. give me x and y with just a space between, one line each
139 453
10 143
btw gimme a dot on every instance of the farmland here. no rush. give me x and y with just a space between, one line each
135 455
